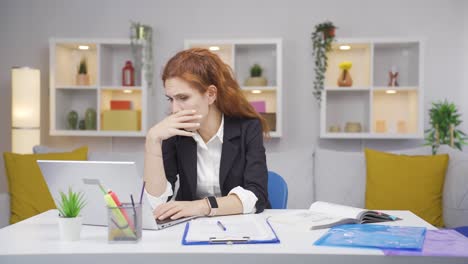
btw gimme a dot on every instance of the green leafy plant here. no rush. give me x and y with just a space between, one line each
83 68
256 71
70 204
322 38
444 120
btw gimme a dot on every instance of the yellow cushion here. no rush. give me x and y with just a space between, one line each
400 182
29 194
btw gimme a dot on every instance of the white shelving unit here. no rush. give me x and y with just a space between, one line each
106 58
383 112
240 55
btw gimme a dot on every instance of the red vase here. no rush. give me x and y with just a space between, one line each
128 74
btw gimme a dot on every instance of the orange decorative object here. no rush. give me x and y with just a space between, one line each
345 79
402 127
128 74
120 105
380 126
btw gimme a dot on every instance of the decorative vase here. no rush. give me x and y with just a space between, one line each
345 79
82 79
256 81
128 74
72 119
393 77
81 125
70 228
90 119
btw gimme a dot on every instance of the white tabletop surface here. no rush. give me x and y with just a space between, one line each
37 240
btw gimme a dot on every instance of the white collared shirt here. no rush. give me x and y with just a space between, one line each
208 166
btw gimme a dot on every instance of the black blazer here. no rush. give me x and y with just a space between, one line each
243 161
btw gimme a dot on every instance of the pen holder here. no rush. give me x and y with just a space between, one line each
124 223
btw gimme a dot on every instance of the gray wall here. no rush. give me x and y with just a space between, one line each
26 26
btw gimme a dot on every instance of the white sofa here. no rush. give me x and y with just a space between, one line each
340 177
325 175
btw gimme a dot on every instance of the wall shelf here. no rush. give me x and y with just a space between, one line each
106 58
347 89
240 55
383 111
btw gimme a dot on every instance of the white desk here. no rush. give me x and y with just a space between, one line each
36 240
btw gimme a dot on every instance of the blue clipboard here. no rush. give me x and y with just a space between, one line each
229 241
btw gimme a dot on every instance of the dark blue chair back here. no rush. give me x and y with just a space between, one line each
277 191
463 230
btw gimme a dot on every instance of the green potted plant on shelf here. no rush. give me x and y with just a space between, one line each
444 120
82 78
322 38
70 220
256 78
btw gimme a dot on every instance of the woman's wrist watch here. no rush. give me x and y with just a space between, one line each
213 204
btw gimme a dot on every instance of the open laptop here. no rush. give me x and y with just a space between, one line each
121 177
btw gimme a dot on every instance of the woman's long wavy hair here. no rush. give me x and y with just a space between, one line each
202 68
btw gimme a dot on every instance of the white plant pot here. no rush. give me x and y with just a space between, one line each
70 228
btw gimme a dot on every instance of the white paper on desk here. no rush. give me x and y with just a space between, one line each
237 226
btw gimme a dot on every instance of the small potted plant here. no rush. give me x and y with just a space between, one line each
70 220
82 78
322 38
444 120
327 28
256 78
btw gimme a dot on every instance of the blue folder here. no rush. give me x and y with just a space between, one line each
231 240
374 236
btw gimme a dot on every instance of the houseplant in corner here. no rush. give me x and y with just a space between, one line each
322 38
82 78
256 78
70 220
444 120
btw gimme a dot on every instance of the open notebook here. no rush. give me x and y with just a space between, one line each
234 229
324 215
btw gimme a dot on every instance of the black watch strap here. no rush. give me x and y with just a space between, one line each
213 205
212 201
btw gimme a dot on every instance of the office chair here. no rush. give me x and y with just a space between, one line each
277 191
463 230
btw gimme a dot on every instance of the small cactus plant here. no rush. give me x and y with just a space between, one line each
83 68
256 71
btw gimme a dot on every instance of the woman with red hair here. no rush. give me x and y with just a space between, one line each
211 144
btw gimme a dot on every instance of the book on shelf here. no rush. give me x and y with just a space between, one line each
325 215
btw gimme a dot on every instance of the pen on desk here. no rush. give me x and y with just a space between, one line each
221 225
134 211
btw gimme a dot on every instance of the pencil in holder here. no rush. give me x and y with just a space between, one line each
124 223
